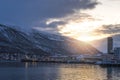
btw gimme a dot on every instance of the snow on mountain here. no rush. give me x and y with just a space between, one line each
13 40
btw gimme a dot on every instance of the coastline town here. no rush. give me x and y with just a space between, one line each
112 57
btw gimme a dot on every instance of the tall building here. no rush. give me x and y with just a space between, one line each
110 44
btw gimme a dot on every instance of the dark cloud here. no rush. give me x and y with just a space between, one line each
28 12
110 29
53 23
57 8
51 28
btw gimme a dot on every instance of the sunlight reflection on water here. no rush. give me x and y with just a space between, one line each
50 71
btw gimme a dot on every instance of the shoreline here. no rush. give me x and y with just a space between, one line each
63 62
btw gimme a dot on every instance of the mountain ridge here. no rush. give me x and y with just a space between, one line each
13 40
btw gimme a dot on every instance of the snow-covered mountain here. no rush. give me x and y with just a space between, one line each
13 40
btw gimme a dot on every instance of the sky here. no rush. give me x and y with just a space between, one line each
91 21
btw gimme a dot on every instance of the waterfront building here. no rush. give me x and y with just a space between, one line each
117 53
109 45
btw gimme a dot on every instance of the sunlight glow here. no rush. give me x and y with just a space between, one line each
84 31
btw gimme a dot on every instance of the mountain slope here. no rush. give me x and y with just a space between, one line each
63 45
13 40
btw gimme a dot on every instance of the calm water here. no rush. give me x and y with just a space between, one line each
48 71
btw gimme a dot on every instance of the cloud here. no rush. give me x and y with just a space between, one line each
37 12
76 17
57 8
57 24
109 29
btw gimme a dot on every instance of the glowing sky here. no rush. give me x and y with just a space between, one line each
85 20
108 11
93 25
89 27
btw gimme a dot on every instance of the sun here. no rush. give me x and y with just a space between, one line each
86 38
89 38
84 31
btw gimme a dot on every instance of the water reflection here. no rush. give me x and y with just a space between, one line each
83 72
113 73
43 71
109 73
